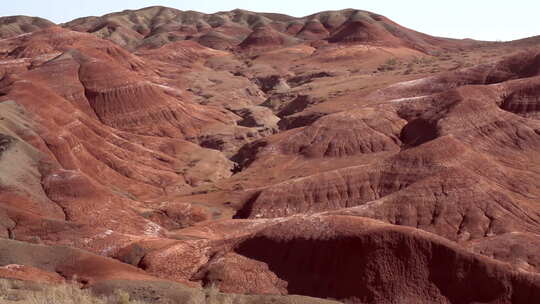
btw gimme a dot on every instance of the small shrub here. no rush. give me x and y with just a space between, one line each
390 65
391 61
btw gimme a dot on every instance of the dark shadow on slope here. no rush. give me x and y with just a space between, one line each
418 131
383 267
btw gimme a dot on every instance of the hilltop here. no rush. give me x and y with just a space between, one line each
262 158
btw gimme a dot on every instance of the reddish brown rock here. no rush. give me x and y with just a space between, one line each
345 134
517 248
313 30
362 254
68 262
28 273
265 36
381 262
235 273
358 159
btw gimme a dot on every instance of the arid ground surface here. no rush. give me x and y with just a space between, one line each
245 157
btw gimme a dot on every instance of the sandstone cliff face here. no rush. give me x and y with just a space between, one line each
265 154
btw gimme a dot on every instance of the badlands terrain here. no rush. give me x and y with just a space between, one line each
243 157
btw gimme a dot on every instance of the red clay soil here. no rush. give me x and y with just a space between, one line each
28 273
338 155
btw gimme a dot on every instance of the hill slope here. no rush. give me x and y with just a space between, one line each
155 26
173 154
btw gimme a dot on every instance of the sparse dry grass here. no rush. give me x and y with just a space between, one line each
390 65
17 292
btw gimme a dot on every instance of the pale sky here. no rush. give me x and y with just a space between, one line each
477 19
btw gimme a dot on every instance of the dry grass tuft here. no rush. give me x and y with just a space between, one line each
18 292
